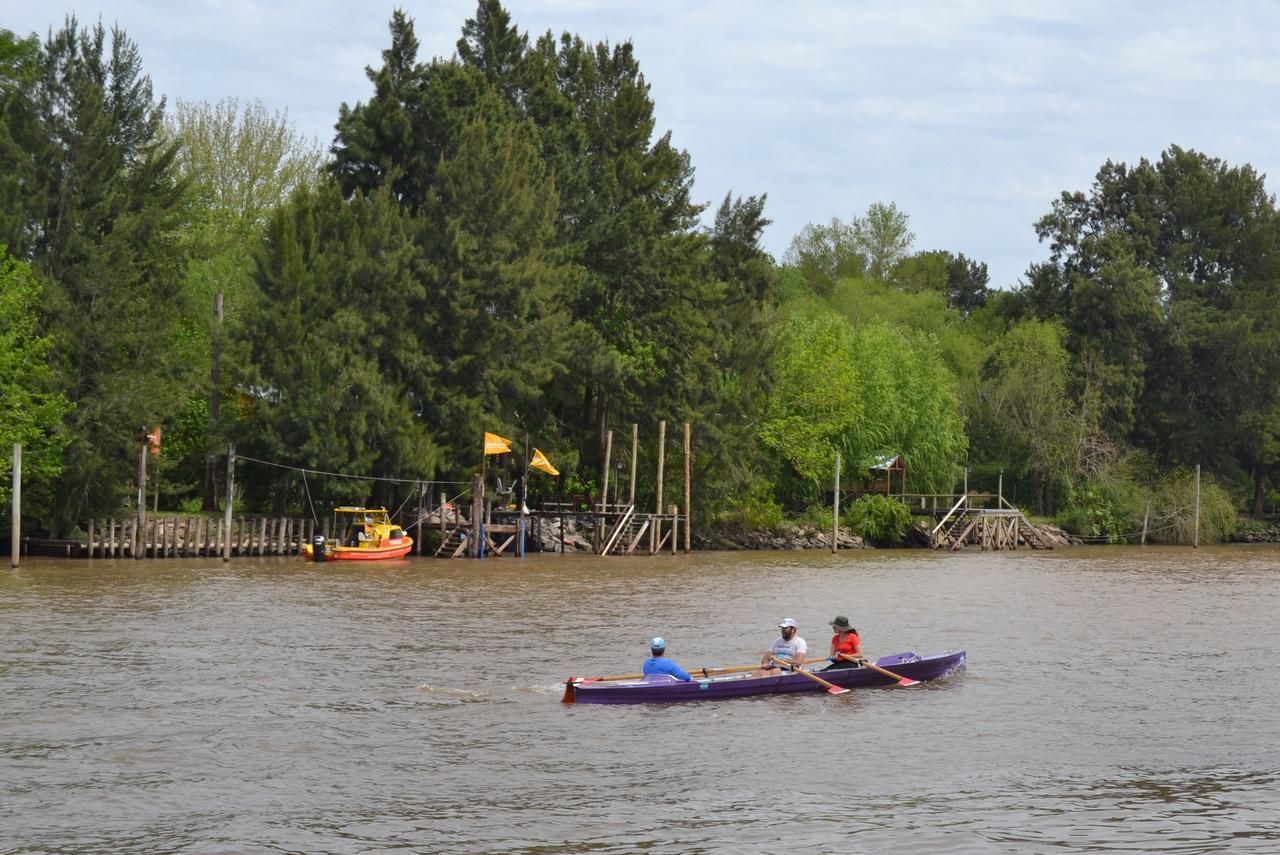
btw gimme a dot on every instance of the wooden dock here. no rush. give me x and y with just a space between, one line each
969 523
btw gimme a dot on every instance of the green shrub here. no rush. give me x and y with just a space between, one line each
817 516
1104 512
880 519
756 510
1173 508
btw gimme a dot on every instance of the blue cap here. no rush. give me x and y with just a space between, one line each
657 643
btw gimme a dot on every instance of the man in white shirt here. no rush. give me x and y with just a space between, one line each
786 653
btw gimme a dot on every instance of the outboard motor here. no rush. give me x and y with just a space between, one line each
317 548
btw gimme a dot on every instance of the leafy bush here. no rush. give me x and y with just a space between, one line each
817 516
756 510
880 519
1101 512
1173 508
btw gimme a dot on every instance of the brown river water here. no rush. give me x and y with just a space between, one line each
1116 699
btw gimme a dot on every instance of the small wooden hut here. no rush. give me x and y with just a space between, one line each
882 472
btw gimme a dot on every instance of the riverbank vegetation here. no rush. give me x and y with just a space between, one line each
505 241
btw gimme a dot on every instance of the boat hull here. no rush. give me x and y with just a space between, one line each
398 549
668 690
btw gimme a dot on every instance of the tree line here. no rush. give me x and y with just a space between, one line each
503 241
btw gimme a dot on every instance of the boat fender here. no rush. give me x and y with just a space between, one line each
317 548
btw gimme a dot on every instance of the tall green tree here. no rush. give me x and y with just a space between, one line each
500 339
883 237
32 408
1026 400
492 45
241 165
1162 272
823 254
103 212
868 392
23 144
335 375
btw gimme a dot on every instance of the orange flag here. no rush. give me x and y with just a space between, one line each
542 464
494 444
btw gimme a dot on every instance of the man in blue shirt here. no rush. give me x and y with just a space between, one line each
660 664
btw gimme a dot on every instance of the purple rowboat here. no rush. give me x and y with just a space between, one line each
663 688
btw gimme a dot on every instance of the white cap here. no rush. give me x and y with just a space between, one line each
658 643
787 622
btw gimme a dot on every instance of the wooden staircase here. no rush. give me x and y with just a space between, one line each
454 544
626 534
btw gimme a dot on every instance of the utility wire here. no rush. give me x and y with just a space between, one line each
304 470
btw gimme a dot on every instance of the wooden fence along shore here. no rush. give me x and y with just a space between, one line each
193 537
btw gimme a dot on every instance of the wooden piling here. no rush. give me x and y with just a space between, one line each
835 510
655 539
15 529
477 512
635 447
417 535
675 527
90 544
231 480
688 487
142 501
1195 537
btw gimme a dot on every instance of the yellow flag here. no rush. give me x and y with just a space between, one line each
494 444
542 464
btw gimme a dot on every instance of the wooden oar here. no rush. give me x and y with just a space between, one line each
705 672
902 681
832 688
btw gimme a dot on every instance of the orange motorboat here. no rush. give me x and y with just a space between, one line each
370 536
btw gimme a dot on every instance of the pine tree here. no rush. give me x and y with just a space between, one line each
103 214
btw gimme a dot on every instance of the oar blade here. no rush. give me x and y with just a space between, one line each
836 690
907 681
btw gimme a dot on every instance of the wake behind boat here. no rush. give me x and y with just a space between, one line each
715 684
367 534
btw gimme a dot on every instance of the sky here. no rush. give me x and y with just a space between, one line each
971 117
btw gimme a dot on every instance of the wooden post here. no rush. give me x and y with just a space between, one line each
477 511
91 555
1145 517
835 509
422 495
226 514
142 500
1000 491
688 486
675 527
966 488
608 456
444 498
635 448
15 531
1195 537
656 537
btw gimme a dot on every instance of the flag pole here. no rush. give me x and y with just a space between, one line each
524 492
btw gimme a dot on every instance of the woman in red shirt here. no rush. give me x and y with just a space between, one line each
845 641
